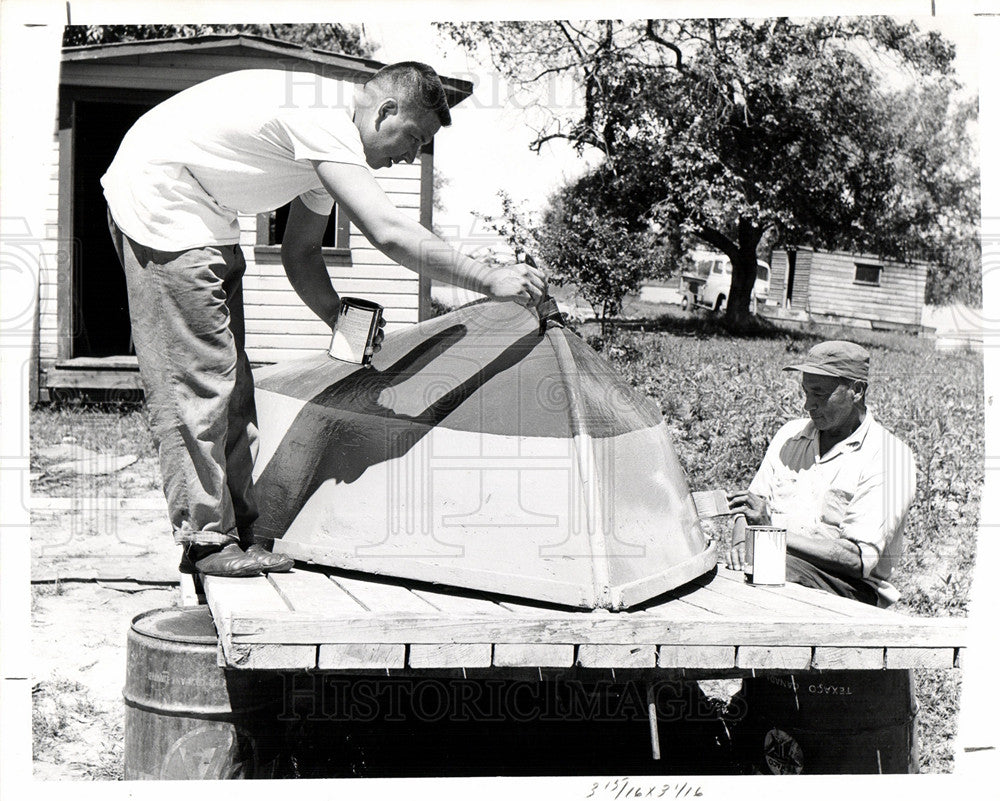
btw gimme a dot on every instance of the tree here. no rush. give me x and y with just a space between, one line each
595 250
346 39
724 130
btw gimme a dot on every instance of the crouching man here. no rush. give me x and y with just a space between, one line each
837 481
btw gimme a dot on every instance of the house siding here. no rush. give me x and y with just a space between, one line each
899 298
51 251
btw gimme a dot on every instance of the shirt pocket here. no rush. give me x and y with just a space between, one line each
835 503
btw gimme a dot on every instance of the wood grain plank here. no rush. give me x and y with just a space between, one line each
253 626
232 598
309 591
352 656
825 658
722 604
696 656
788 600
785 657
451 655
532 655
807 595
919 657
461 654
458 604
383 598
616 656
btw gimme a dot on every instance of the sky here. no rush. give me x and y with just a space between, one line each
486 148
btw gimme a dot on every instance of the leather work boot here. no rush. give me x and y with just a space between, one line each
218 560
270 562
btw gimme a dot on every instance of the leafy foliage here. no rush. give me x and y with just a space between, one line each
596 251
338 38
722 130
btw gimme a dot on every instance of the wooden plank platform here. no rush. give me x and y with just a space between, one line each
321 618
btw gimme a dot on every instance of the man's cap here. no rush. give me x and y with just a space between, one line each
836 358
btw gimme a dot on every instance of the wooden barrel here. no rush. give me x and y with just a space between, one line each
187 718
834 721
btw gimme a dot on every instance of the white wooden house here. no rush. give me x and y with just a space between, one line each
846 288
83 336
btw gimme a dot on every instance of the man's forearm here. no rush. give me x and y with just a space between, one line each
836 556
413 246
311 282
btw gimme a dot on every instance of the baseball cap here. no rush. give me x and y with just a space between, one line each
835 358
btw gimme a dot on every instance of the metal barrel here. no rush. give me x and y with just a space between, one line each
833 721
188 718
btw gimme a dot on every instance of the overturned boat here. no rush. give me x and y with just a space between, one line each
481 450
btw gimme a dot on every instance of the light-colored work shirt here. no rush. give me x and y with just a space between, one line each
241 143
860 490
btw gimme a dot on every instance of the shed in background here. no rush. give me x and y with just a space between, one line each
846 288
84 336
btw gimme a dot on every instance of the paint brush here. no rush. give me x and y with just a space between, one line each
711 503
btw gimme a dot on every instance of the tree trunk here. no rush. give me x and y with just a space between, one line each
744 263
741 289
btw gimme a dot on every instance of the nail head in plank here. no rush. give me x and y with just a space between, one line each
785 657
448 655
355 656
532 655
919 658
616 656
696 656
827 658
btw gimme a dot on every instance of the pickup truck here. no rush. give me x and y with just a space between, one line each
708 285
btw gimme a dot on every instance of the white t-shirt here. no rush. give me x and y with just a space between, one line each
240 143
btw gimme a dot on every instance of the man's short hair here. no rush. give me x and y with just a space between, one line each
418 82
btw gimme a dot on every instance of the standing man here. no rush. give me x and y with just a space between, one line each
243 143
838 481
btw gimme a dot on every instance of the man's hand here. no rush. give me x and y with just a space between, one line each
736 557
752 506
522 283
379 336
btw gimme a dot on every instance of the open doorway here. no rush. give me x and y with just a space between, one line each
790 278
100 304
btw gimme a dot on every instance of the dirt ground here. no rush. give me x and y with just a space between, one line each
95 566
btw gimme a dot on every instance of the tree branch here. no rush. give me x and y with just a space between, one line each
655 37
718 240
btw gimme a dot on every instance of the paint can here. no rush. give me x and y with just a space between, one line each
765 555
355 330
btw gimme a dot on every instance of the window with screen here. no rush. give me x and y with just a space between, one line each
869 274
